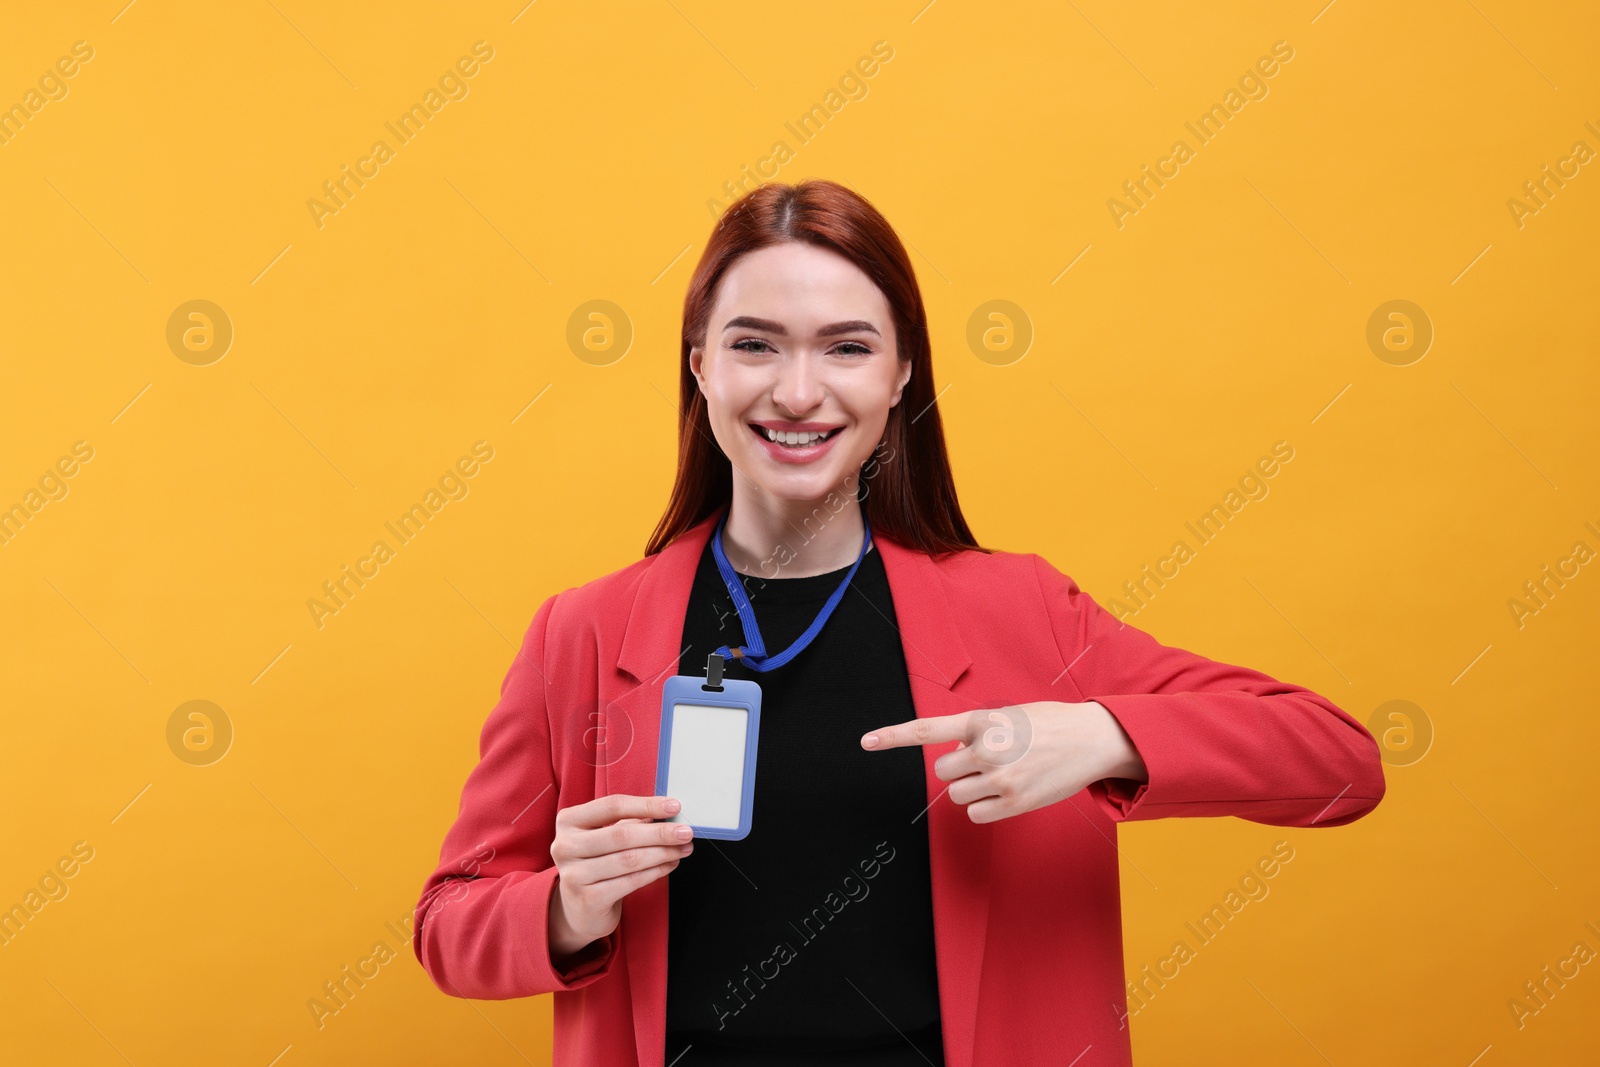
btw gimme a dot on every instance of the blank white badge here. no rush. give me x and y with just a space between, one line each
705 764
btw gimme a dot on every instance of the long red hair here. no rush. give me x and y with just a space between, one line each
909 495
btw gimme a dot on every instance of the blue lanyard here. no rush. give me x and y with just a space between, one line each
753 653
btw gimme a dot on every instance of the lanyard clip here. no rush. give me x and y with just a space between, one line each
713 671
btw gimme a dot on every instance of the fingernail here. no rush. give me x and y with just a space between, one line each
870 741
672 807
684 833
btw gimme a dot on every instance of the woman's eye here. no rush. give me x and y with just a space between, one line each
756 345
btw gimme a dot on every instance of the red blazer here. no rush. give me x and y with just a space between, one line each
1027 912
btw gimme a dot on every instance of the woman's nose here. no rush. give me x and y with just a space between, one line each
799 388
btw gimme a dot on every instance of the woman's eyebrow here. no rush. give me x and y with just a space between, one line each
750 322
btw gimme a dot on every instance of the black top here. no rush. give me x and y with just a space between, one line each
810 941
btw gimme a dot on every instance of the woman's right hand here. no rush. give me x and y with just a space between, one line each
604 850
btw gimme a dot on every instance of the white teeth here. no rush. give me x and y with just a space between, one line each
793 438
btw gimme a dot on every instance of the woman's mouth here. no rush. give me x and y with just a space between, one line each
794 440
791 446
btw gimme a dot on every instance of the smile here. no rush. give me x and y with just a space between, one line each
792 439
796 446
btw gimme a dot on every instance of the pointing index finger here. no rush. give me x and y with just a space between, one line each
933 730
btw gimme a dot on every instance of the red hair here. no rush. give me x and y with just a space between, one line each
908 495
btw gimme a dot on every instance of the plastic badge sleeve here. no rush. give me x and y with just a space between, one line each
707 756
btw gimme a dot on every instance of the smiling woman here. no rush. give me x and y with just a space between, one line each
970 709
795 393
804 316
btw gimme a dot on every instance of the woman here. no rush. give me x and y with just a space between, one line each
931 876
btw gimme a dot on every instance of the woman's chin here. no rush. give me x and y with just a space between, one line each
796 484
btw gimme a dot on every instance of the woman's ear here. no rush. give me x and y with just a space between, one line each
900 383
696 360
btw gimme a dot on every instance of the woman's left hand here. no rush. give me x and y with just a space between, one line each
1015 759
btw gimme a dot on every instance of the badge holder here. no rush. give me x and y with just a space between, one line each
707 756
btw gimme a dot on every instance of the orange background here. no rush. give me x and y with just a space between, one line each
1134 376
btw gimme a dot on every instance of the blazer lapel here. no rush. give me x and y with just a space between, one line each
649 654
959 849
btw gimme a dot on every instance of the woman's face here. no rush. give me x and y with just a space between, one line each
800 341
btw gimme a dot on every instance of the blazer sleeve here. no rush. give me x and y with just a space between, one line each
1216 739
481 927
